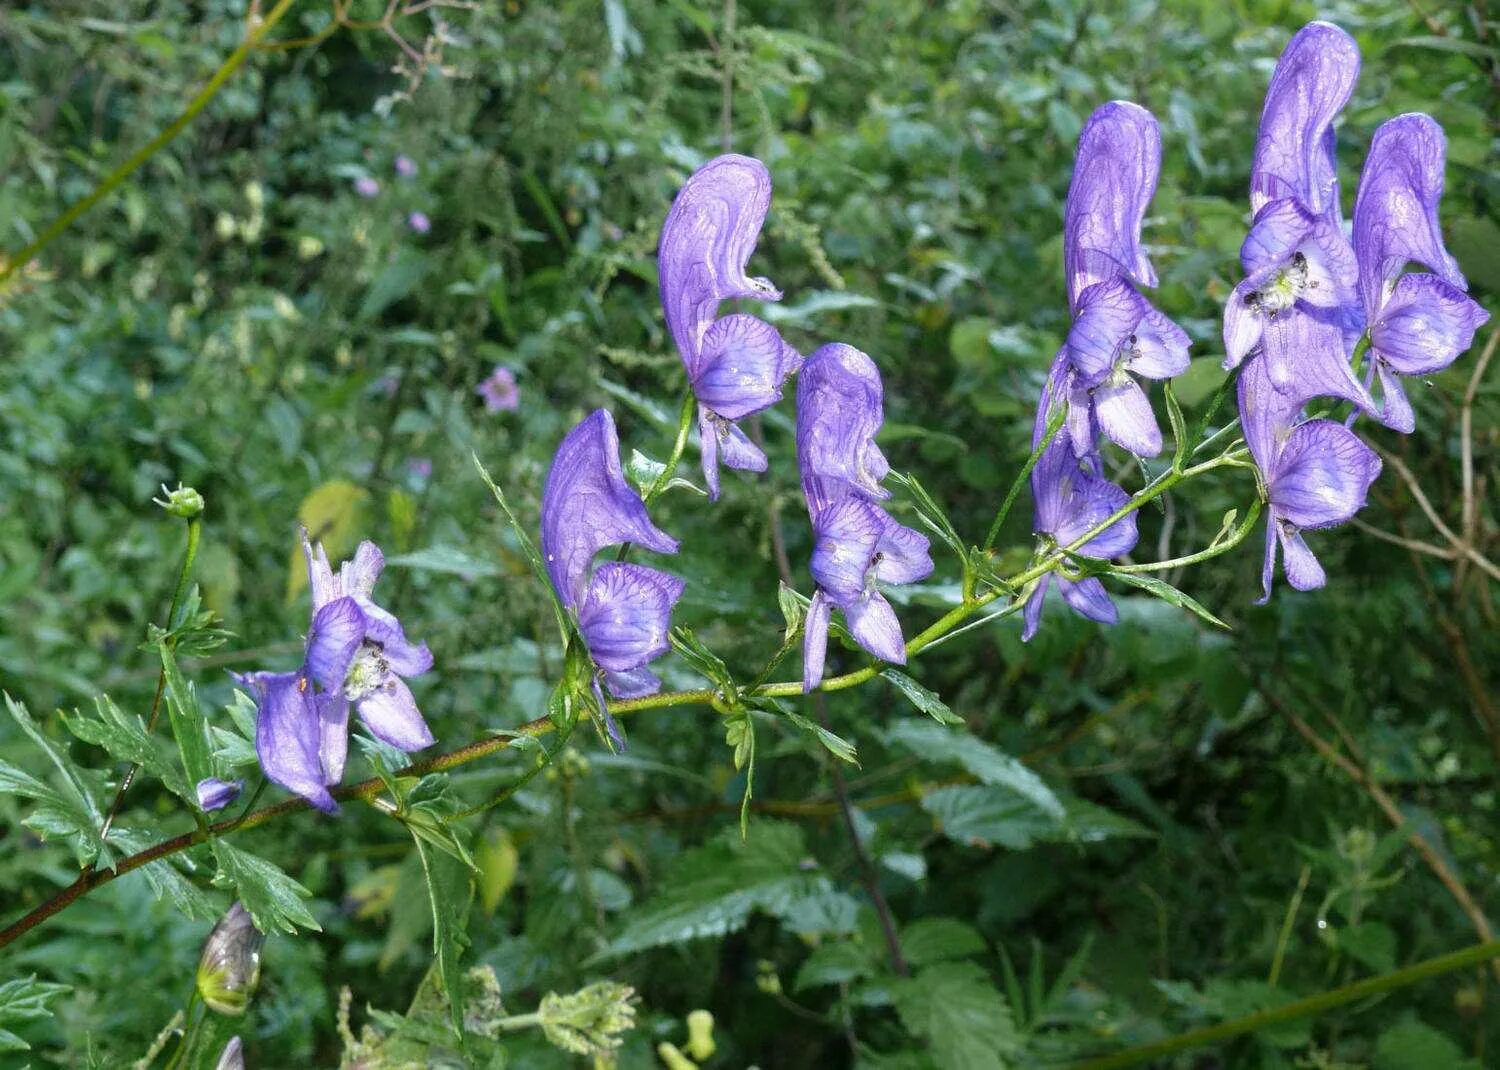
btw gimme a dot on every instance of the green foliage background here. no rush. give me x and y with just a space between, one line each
237 318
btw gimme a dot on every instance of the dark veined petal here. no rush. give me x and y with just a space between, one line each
320 577
337 630
1396 210
1108 314
587 505
1294 153
1280 228
815 640
839 411
1425 324
390 713
706 242
722 440
288 736
626 614
1114 177
1303 570
902 555
215 794
874 626
743 366
1267 415
848 534
404 657
1088 598
1082 424
1322 475
1306 357
1160 350
1125 416
358 576
1071 500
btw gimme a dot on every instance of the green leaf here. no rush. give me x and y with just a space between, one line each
956 1008
712 890
167 884
835 964
932 516
124 736
1167 593
836 745
923 699
983 815
929 940
188 725
692 650
988 763
394 283
273 899
333 513
24 999
1411 1045
68 812
449 889
814 304
446 559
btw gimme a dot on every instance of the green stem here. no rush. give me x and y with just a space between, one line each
684 425
1323 1001
1239 535
10 265
1053 426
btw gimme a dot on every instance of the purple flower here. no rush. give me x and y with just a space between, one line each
736 364
421 467
232 1057
215 794
1316 473
499 390
301 739
366 187
623 610
1418 323
419 222
857 542
405 166
1114 176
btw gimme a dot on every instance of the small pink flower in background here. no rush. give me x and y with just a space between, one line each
419 222
388 385
499 390
421 467
366 187
405 166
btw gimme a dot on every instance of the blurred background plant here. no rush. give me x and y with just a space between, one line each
402 234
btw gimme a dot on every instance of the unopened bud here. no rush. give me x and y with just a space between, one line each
674 1059
233 1057
229 968
700 1043
184 501
225 226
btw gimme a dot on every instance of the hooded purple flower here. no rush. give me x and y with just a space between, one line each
1421 322
857 542
1316 473
736 364
1116 332
215 794
623 610
499 391
301 739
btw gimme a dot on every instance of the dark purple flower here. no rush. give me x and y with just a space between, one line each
499 390
215 794
366 187
736 364
623 610
419 222
1419 323
405 166
857 542
301 740
1316 472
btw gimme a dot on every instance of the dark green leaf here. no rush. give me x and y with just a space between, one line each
923 699
273 899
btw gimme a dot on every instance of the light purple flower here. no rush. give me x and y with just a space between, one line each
366 187
1114 177
1419 323
736 365
623 610
215 794
499 391
857 543
232 1057
419 222
421 467
301 739
405 166
1316 473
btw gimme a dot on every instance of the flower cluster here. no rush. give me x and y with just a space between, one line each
1116 335
735 364
1311 300
357 653
857 542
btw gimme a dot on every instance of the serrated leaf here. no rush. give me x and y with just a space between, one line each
67 812
986 762
167 883
274 900
956 1008
449 890
932 516
1169 594
983 815
692 650
929 940
1413 1045
186 716
923 699
24 999
124 736
834 964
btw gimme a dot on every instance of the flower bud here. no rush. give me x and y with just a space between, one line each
700 1043
215 794
233 1056
184 501
674 1059
229 967
225 226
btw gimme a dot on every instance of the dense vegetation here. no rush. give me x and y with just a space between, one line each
1123 834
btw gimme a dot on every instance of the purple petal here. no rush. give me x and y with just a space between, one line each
874 626
1082 424
903 555
358 576
1322 475
815 640
1425 324
1088 599
1071 500
1302 569
1032 614
1107 316
1396 411
848 533
1396 209
1280 228
391 715
706 242
1294 152
637 683
743 365
1160 350
232 1057
839 412
287 736
1125 416
626 613
722 440
1268 562
1244 323
1114 176
587 505
333 735
404 657
319 573
1306 357
337 630
1267 415
215 794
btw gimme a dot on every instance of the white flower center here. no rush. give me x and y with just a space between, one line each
367 672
